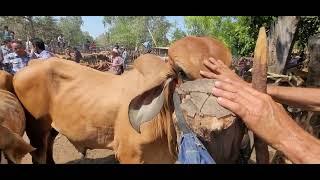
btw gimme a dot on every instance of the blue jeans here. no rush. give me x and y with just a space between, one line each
192 151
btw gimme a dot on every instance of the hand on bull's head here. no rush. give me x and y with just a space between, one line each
188 54
219 71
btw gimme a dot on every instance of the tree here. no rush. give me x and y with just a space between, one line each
46 28
308 26
133 30
237 32
71 29
177 34
102 40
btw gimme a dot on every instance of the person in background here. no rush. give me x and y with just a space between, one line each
77 55
6 33
38 51
18 59
116 46
125 58
68 53
4 50
28 46
117 62
12 34
61 42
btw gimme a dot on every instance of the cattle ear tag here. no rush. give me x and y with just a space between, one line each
146 106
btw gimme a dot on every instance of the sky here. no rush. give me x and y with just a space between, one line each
94 25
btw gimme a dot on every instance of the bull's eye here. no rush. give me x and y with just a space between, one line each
182 75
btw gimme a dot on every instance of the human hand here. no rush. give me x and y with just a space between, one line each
260 113
219 71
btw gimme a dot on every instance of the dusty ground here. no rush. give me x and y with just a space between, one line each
65 153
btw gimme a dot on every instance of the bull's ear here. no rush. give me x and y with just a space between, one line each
147 105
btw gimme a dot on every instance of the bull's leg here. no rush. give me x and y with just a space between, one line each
52 136
38 131
40 142
8 159
1 157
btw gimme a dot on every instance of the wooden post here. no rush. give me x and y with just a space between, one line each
259 82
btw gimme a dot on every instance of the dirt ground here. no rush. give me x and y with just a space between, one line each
65 153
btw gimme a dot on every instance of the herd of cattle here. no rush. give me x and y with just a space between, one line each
94 109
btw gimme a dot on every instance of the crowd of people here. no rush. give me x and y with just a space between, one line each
15 54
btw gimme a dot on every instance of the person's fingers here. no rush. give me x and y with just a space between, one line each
220 67
210 66
207 74
238 90
244 86
234 97
236 108
218 63
221 63
226 86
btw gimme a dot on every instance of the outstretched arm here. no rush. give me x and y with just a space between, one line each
305 98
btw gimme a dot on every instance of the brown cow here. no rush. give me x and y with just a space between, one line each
12 122
91 109
80 103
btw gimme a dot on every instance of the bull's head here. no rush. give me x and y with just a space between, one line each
187 55
185 61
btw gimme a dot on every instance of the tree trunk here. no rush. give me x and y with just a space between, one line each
29 18
313 78
281 40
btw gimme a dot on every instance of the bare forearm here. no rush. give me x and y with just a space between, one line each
306 98
299 146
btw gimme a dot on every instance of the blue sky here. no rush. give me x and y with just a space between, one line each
94 25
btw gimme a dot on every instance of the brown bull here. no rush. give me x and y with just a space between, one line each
92 109
12 122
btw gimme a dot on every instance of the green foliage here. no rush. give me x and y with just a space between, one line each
237 32
308 26
131 31
47 28
71 29
102 40
178 34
